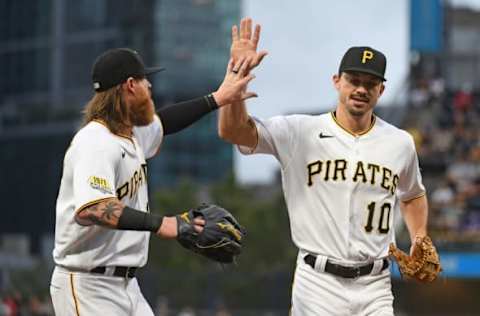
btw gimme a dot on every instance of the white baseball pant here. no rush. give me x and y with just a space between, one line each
320 293
89 294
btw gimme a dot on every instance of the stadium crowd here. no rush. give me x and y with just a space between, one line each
17 304
443 124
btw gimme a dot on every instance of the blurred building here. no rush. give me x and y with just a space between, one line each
462 60
47 49
445 42
46 52
192 41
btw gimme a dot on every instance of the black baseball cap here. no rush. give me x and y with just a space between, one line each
364 59
116 65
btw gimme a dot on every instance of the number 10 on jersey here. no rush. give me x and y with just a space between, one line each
380 215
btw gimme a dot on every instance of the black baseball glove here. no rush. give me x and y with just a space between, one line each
222 235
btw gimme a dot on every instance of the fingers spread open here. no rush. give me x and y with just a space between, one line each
249 95
234 33
259 57
248 30
256 35
243 27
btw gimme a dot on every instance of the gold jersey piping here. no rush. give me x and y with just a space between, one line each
372 124
75 300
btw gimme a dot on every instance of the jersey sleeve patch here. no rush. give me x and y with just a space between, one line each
100 184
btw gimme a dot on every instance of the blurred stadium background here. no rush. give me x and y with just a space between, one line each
46 51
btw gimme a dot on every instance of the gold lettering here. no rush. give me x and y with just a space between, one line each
313 169
122 191
340 166
374 168
394 184
360 172
386 173
366 55
140 176
135 177
327 171
132 186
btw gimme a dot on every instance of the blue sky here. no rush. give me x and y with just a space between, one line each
306 40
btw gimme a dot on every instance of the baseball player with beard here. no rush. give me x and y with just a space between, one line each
103 223
343 175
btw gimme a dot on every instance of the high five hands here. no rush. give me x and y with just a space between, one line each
243 58
245 43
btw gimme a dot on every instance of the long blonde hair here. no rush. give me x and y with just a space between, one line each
108 107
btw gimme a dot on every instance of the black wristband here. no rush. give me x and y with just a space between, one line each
132 219
211 102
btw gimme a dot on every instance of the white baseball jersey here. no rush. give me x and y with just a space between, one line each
100 165
341 189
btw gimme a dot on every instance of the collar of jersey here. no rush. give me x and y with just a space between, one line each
372 124
119 135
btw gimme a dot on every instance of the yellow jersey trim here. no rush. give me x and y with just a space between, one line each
372 124
94 202
75 300
415 197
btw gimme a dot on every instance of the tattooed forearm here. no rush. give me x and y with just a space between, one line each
104 213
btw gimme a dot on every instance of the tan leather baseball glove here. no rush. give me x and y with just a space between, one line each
424 263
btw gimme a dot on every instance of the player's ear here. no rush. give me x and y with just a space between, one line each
336 81
130 85
382 88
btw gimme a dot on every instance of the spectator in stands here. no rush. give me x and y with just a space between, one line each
443 203
463 99
4 308
419 95
187 311
463 171
471 198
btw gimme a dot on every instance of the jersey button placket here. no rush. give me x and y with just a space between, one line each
356 145
354 157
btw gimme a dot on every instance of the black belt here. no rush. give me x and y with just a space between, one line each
342 271
124 272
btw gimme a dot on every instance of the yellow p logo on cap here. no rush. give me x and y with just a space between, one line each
366 55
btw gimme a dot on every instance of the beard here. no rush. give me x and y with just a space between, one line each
358 110
143 113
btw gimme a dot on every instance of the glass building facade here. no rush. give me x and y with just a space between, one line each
192 41
46 52
47 49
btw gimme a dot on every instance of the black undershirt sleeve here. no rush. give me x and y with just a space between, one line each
177 116
132 219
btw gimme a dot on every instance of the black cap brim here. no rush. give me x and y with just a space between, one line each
152 70
370 72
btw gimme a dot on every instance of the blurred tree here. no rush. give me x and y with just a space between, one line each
267 244
171 201
268 256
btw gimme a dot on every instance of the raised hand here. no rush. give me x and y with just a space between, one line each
234 85
244 45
